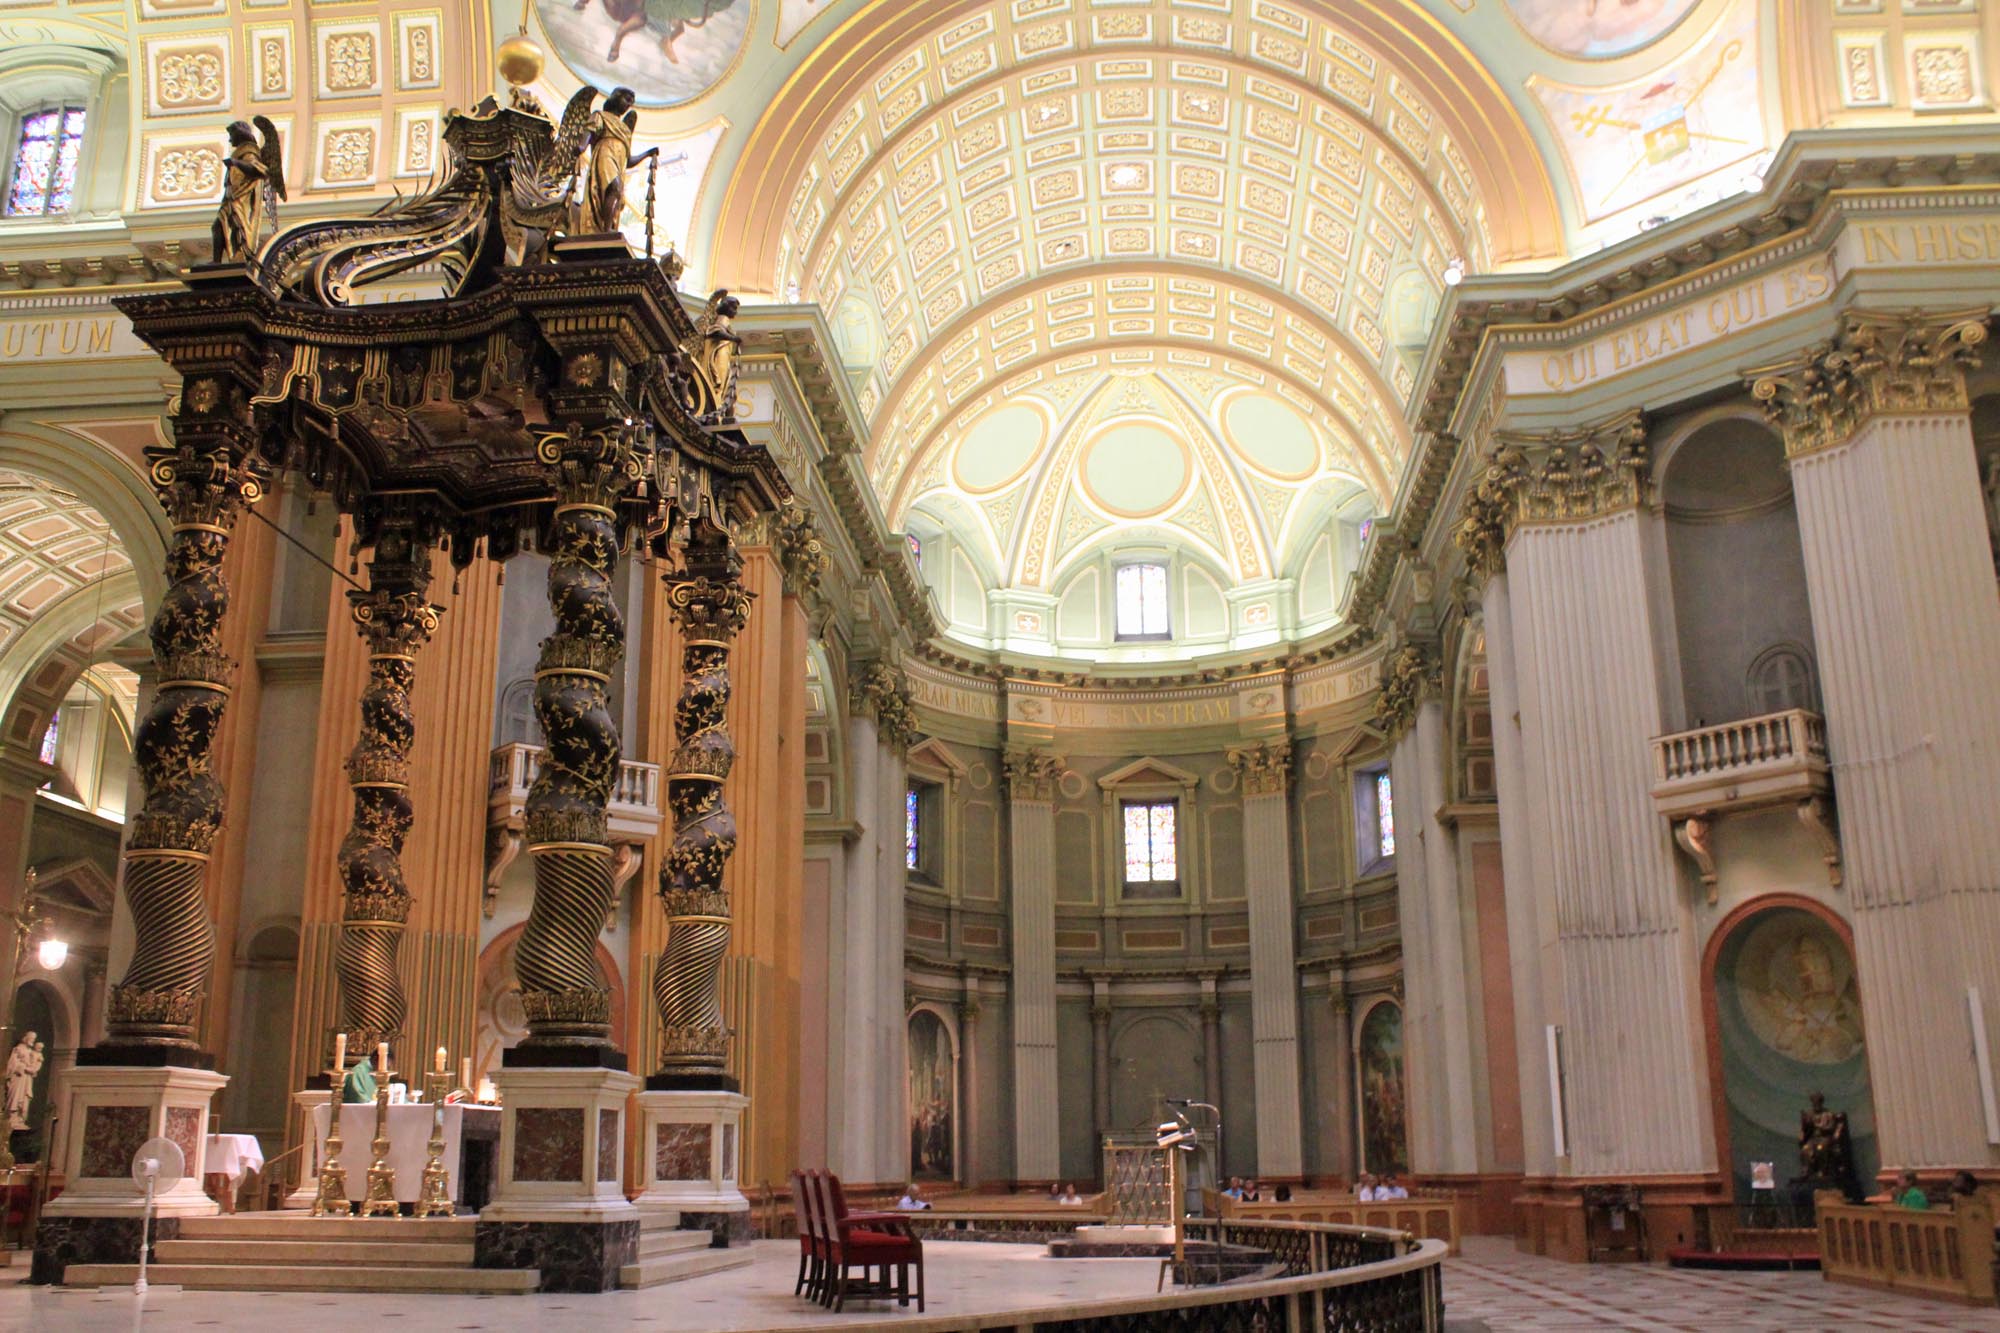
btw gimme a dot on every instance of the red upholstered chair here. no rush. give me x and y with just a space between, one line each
811 1252
870 1242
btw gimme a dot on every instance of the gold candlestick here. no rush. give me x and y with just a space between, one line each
381 1201
331 1199
434 1199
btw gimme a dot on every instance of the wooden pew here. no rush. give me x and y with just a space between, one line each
1946 1253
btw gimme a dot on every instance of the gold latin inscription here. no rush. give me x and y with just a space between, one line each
35 339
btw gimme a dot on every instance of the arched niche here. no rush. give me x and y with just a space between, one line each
267 980
1742 615
1382 1089
931 1103
1782 999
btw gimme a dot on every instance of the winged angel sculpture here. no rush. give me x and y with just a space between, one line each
254 170
506 188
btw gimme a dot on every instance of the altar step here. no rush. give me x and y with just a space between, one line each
667 1254
292 1252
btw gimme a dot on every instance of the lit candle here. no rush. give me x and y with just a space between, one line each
439 1066
382 1058
465 1071
340 1052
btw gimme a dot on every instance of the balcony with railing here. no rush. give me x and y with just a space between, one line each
633 815
1749 764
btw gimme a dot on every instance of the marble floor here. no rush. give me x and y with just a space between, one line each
1493 1288
1490 1289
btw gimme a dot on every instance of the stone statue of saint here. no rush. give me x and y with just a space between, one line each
255 165
716 353
1826 1151
611 156
23 1064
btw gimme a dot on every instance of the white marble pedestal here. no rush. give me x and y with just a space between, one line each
108 1112
559 1205
690 1153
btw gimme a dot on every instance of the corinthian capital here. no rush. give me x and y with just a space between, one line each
1263 769
1031 774
1879 364
1407 678
882 692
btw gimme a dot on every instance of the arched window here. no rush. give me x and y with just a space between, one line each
517 715
42 177
1142 602
1781 678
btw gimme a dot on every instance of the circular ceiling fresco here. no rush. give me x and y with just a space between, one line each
665 51
1597 29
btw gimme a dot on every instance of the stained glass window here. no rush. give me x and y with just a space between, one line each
911 829
1367 527
49 737
1142 602
1150 854
916 549
43 180
1385 815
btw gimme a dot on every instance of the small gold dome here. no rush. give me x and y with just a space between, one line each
518 60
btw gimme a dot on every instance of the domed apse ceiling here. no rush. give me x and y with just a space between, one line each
1150 271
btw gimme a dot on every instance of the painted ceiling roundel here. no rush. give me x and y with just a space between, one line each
1596 29
666 51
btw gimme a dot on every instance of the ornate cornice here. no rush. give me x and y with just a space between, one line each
1407 678
1032 774
1263 769
1881 363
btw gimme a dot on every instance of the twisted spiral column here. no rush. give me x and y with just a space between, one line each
562 991
395 617
203 480
711 611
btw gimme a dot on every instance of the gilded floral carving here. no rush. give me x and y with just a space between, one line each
1880 362
350 62
189 78
350 155
1943 74
187 173
422 63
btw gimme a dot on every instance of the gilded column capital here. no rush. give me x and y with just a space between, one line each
1880 363
1032 774
1407 678
1570 475
882 692
1263 769
801 554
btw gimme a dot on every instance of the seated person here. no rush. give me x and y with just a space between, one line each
1366 1190
1390 1189
1235 1190
1963 1186
1069 1198
1251 1194
1909 1194
1283 1194
913 1200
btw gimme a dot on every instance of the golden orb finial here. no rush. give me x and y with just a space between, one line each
518 60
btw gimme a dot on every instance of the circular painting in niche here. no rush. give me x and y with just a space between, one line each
1596 29
1795 981
666 51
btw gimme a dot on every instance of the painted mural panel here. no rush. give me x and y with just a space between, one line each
1633 143
1593 29
1789 1021
933 1098
666 51
1385 1141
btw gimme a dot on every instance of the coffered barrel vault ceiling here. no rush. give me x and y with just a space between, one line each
1152 272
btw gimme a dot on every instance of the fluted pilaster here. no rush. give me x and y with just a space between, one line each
1907 628
1264 774
1031 782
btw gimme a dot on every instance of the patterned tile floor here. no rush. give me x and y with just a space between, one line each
1493 1288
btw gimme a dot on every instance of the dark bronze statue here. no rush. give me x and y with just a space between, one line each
255 167
1826 1149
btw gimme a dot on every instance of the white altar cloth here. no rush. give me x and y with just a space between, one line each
409 1145
233 1155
